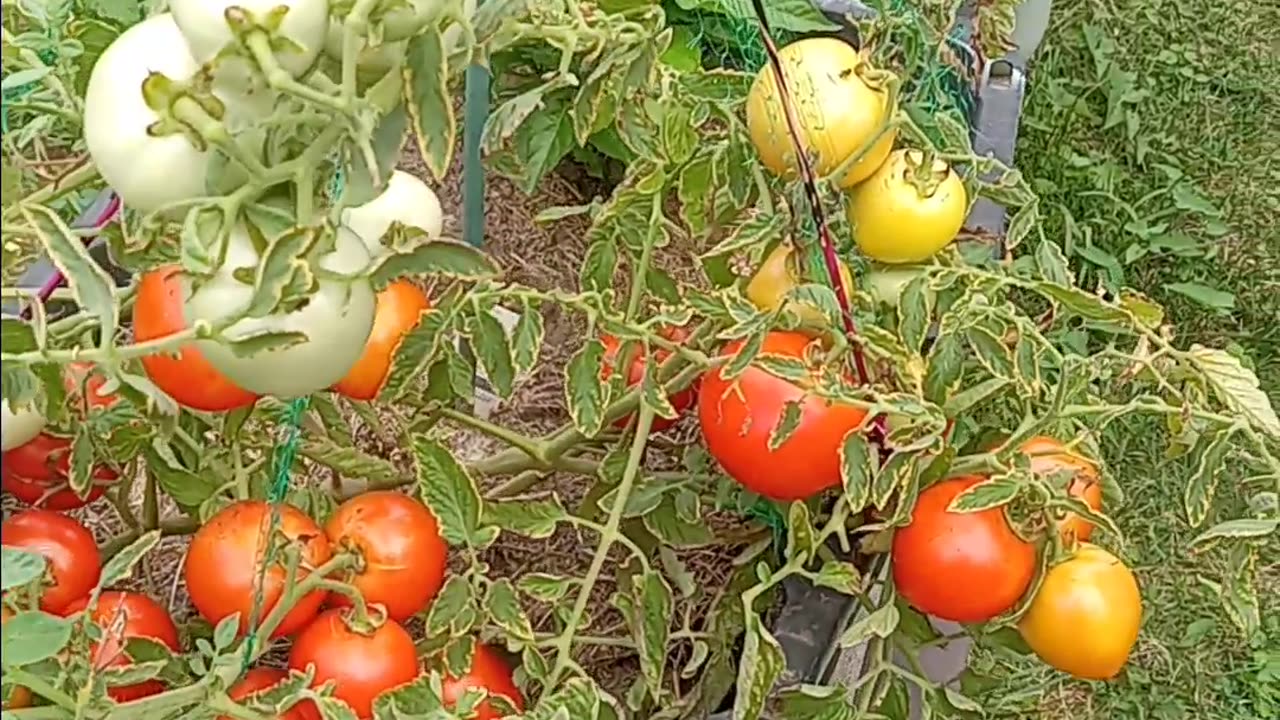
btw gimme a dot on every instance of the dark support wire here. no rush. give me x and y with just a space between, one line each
475 113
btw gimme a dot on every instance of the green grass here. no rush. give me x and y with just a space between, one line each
1152 131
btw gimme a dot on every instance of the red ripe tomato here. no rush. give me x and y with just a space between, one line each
681 401
260 679
965 567
490 673
38 474
399 308
69 548
738 417
124 615
362 666
187 377
403 555
225 560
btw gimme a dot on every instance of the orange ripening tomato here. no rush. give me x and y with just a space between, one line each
187 377
1049 456
19 697
681 401
489 673
224 562
964 567
262 679
738 416
1085 617
403 557
361 665
68 547
124 615
400 307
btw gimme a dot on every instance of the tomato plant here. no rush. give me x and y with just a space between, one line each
67 546
268 393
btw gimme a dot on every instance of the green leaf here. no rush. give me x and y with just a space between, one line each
584 390
993 492
796 16
679 134
1211 449
915 311
451 604
543 141
991 352
890 476
1236 387
800 536
1241 528
856 469
418 350
430 104
279 267
1052 263
649 614
757 229
1084 304
91 286
965 400
946 368
545 587
1204 295
839 576
350 462
651 392
504 608
960 701
599 264
527 341
448 490
787 425
880 623
577 699
334 709
494 352
665 522
121 566
20 567
532 518
188 489
445 258
762 664
30 637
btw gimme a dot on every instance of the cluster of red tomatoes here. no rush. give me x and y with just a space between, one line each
399 567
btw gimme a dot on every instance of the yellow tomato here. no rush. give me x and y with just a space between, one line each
837 111
895 221
778 274
1084 619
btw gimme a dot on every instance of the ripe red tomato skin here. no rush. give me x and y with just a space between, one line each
31 471
69 548
223 564
399 541
489 672
964 567
400 307
263 678
681 401
187 377
362 666
736 424
144 618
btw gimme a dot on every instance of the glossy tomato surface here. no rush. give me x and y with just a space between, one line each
19 697
403 555
400 306
964 567
1048 456
361 666
895 222
489 672
680 401
124 615
1084 619
226 556
262 679
38 474
187 377
74 564
738 416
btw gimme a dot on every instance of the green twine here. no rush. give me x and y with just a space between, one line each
282 457
48 57
767 513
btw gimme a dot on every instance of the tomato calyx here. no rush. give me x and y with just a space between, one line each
364 619
874 78
925 171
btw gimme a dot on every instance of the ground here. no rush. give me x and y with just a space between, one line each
1189 85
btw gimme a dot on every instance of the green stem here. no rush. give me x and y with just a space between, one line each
104 356
168 528
279 79
41 687
533 448
150 503
354 29
609 536
81 175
